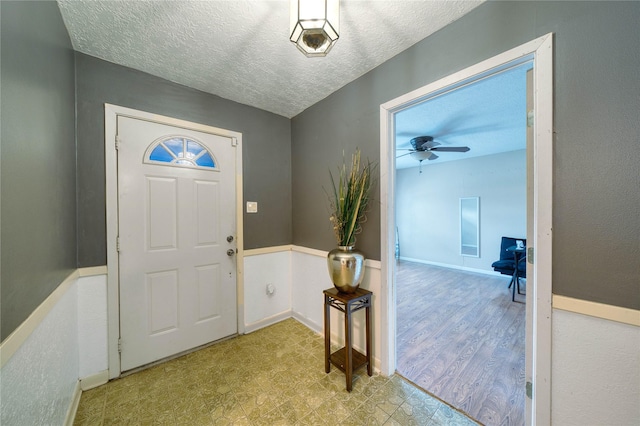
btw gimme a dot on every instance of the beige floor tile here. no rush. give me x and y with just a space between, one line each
274 376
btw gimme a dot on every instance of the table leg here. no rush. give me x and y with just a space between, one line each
348 358
327 335
368 337
514 280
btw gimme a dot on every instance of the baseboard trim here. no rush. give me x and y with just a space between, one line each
20 335
598 310
447 265
94 380
249 328
73 408
307 322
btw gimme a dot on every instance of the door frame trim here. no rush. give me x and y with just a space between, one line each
540 50
111 113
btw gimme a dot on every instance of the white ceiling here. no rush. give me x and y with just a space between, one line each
488 116
240 50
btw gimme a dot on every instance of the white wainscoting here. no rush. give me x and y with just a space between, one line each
92 327
262 268
39 375
595 361
595 371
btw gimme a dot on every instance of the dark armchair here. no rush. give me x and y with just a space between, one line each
512 262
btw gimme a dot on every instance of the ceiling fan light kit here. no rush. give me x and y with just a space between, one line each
421 155
314 26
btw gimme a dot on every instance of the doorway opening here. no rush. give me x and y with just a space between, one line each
538 297
459 333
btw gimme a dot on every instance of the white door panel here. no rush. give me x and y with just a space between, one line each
177 283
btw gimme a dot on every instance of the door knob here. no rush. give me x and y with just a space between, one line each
230 238
230 252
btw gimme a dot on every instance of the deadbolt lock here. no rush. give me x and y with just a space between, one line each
230 238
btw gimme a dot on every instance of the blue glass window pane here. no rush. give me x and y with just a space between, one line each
159 153
176 145
206 161
194 147
183 152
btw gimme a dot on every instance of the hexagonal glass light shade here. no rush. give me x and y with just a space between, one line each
315 25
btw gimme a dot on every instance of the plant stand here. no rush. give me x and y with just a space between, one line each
347 359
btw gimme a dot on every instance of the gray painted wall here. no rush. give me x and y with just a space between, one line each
596 249
428 207
266 155
38 174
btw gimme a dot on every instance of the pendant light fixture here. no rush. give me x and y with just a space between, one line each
315 25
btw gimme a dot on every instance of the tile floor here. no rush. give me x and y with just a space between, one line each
274 376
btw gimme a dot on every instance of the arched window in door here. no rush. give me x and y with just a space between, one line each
180 151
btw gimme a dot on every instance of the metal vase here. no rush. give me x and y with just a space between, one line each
346 268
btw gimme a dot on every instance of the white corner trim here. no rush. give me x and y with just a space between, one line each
73 408
20 335
309 323
598 310
267 250
94 380
93 271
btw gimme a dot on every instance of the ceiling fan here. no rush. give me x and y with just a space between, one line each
424 148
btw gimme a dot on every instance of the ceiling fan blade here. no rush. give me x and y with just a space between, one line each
406 153
433 156
451 149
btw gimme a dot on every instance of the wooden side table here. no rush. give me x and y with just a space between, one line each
347 359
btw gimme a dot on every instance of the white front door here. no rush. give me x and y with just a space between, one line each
176 228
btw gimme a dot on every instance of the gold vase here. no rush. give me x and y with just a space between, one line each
346 268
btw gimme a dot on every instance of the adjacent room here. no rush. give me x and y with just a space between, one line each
460 188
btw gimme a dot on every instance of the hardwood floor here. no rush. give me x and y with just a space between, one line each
461 338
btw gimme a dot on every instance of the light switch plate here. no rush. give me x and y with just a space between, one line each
252 207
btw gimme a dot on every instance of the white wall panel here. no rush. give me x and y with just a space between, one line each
38 383
595 371
261 308
92 325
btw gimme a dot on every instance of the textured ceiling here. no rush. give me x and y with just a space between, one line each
488 116
240 50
